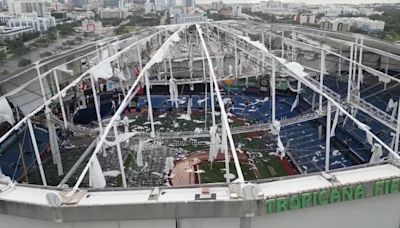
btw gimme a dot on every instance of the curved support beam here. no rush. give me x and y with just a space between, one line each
125 103
304 81
224 116
70 86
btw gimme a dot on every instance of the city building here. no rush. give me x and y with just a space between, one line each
148 7
40 24
94 4
7 33
136 7
57 6
189 3
3 4
367 24
153 6
335 25
236 10
159 5
171 3
181 17
29 7
111 3
294 5
75 3
60 15
4 18
81 14
273 7
305 18
273 4
92 26
345 10
368 11
217 5
344 24
331 11
109 13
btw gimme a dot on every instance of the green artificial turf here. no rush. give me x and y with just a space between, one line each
214 173
269 167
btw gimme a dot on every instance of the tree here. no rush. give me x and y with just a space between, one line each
29 36
78 39
4 72
41 42
121 30
70 42
17 47
111 21
66 29
3 56
153 20
24 62
45 54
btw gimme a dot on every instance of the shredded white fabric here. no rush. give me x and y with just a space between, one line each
390 105
111 173
6 113
197 130
276 127
297 100
97 179
102 70
394 111
173 92
139 153
189 107
376 153
184 117
54 146
296 68
335 121
280 150
214 144
169 164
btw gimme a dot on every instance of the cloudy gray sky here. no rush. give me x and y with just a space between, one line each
308 1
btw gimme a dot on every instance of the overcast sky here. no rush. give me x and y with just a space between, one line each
307 1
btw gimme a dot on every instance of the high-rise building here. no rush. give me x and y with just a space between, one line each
236 10
189 3
148 7
39 24
217 5
111 3
76 3
152 6
171 3
29 7
94 4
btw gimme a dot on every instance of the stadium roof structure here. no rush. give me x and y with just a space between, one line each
278 52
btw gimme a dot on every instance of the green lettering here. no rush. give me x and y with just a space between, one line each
378 188
394 185
335 196
306 200
387 186
315 198
281 204
294 202
323 197
347 193
269 205
359 192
